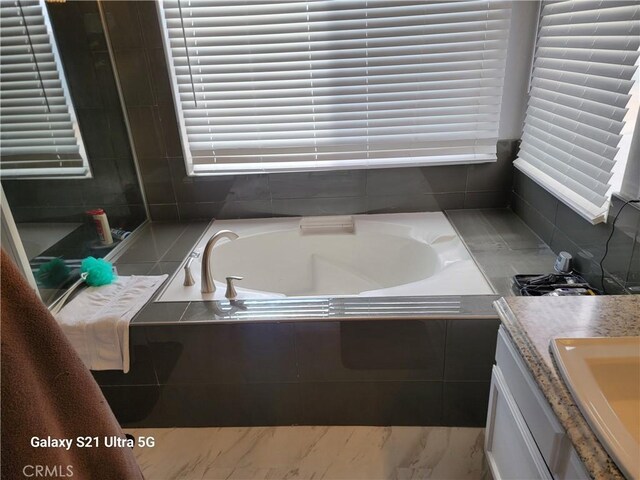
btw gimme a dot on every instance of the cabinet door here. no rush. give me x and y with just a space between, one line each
574 468
510 449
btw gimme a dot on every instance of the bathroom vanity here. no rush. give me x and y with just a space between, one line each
534 428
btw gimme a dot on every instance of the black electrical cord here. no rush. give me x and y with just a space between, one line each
606 246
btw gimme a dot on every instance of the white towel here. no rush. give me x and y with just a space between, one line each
96 321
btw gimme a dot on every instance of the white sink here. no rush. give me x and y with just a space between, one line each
603 375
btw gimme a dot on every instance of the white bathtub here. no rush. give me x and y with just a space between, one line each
381 255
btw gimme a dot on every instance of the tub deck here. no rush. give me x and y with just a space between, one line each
376 361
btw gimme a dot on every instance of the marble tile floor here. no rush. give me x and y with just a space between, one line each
319 452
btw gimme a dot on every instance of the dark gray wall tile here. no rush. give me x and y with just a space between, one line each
581 232
199 211
164 212
545 203
499 199
470 349
45 193
105 77
122 22
135 405
229 405
149 24
156 179
119 138
391 345
145 129
245 209
536 221
416 180
492 177
633 276
349 183
106 191
80 13
215 353
318 206
465 404
169 130
561 242
379 350
133 71
47 214
415 203
82 78
77 59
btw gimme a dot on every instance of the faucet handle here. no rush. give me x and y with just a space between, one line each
231 293
188 278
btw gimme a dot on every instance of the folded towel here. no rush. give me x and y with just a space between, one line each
47 391
96 321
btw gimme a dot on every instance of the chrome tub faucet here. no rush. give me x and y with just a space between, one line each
207 284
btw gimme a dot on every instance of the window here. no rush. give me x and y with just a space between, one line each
337 84
39 135
581 87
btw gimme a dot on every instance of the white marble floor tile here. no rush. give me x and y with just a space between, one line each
340 453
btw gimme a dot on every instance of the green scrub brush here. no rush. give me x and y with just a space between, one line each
53 273
95 272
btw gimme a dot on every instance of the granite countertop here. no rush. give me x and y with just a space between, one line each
532 322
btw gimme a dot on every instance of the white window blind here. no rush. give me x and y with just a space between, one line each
39 135
585 60
300 85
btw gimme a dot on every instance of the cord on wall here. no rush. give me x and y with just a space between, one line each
606 246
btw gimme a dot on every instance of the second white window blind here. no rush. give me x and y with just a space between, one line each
294 85
583 75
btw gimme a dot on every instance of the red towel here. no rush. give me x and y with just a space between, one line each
48 392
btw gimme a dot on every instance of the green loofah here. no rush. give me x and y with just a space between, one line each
53 273
98 270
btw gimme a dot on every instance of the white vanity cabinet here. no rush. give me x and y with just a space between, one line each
524 439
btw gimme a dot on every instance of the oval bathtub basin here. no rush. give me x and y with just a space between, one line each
325 264
360 255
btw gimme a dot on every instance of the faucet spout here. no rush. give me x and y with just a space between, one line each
207 284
